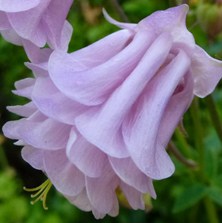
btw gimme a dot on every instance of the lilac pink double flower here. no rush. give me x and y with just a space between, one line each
99 119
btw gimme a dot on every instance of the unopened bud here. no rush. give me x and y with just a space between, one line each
210 18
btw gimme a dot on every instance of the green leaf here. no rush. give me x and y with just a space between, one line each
189 197
215 193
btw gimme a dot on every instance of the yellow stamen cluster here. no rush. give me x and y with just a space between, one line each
40 193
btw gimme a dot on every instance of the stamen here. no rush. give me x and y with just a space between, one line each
41 193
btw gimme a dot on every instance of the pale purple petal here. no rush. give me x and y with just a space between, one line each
32 30
4 23
101 126
175 109
173 21
89 159
101 191
81 201
134 197
12 129
206 71
48 134
123 25
134 177
23 110
66 178
34 157
11 36
17 6
91 86
35 54
140 130
53 20
53 103
24 87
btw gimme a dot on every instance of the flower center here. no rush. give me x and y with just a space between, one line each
41 193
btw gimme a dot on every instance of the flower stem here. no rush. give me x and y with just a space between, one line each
195 112
214 116
179 156
119 10
3 158
211 210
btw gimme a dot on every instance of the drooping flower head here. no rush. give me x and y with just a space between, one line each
39 21
99 119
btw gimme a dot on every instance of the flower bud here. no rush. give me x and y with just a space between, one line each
209 16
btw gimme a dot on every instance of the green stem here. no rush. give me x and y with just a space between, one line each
119 10
3 160
179 156
214 115
195 112
211 210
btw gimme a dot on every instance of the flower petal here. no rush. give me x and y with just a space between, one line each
32 30
54 18
101 126
53 103
45 134
134 197
123 25
66 178
81 201
141 128
206 71
177 105
89 159
4 23
24 87
135 178
17 6
91 86
34 157
173 21
24 110
101 191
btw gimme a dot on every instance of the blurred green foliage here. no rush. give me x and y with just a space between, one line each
181 198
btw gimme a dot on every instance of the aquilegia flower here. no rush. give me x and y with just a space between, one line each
99 119
39 21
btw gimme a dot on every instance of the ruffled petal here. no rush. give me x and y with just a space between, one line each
176 107
53 20
35 54
81 201
134 197
173 21
34 157
65 38
66 178
23 110
206 72
24 87
4 23
53 103
101 126
17 6
135 178
123 25
33 30
101 191
89 159
92 86
11 36
141 129
46 134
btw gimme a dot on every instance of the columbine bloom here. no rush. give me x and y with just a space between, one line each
39 21
100 118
